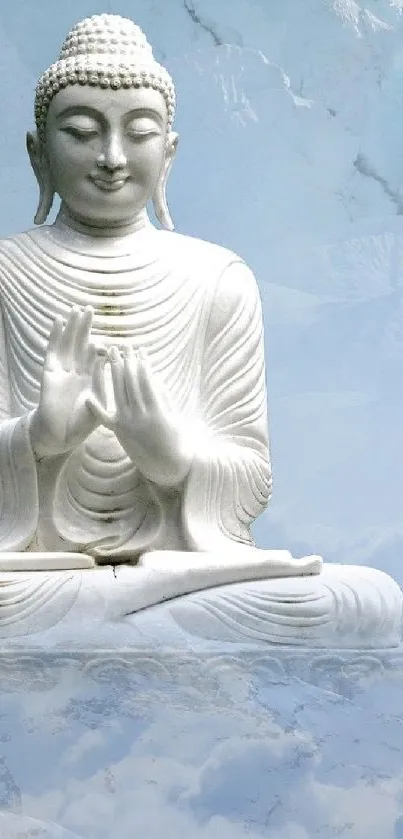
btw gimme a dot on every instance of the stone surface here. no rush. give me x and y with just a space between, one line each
344 607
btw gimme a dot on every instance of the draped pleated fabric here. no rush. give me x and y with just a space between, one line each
195 309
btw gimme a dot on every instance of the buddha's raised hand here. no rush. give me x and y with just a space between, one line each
144 421
72 370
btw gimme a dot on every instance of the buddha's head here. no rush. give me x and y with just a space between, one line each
104 141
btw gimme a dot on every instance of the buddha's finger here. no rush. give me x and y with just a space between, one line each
151 389
53 348
68 337
98 379
85 364
83 333
99 412
117 370
146 384
132 387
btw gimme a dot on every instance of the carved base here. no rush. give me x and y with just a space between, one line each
202 599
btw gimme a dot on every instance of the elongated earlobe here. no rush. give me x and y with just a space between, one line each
46 196
43 177
159 198
161 206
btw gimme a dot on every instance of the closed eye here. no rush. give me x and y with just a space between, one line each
80 133
141 135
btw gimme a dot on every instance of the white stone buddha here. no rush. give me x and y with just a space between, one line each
132 389
170 451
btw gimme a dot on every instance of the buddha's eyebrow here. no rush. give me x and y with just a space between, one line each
76 110
87 110
144 112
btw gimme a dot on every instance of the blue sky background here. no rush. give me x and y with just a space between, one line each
291 154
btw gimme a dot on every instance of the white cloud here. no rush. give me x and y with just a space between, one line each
371 809
186 777
90 740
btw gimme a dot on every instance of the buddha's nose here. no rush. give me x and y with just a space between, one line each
113 155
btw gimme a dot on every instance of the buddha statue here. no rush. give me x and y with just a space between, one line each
133 414
133 398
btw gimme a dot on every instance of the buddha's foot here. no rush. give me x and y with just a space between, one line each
44 561
242 563
345 607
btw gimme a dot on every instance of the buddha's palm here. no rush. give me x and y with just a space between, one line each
144 421
71 372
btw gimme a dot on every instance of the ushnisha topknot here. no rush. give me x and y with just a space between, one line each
103 51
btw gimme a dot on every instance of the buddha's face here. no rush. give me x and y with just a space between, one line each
106 150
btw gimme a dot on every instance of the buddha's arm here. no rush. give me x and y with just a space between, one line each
18 478
229 483
34 445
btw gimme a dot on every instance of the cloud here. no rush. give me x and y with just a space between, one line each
23 827
86 743
368 811
210 776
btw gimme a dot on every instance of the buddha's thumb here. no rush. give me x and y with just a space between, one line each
99 412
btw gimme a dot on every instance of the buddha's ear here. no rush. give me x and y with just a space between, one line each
170 152
159 197
41 169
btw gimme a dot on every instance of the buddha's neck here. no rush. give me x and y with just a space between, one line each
67 220
70 233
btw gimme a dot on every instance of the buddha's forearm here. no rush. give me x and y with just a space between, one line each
167 469
18 485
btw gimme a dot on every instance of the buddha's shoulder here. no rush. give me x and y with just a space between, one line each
17 242
226 272
191 248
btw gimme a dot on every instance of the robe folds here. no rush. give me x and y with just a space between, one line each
195 309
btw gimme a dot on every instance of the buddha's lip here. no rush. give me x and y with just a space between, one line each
110 183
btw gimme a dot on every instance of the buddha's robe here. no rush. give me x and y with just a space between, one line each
195 309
